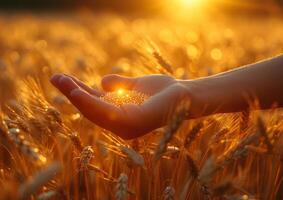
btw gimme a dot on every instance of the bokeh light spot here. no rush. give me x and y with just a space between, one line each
192 51
216 54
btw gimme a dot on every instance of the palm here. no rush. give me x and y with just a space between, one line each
129 120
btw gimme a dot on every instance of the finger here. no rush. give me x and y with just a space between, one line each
113 82
66 85
55 79
98 111
90 90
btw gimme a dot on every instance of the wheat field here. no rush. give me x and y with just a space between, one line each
50 151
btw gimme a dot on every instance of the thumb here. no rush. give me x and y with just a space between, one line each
113 82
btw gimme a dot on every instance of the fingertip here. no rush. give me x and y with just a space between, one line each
107 80
55 78
113 81
66 85
109 76
90 90
64 79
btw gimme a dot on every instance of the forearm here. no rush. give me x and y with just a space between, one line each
234 90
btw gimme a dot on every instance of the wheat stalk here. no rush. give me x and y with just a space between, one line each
47 195
135 157
122 187
191 136
76 141
85 157
38 180
262 130
25 146
178 117
169 193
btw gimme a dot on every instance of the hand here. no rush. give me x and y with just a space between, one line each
129 120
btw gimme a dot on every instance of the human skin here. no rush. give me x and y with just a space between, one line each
226 92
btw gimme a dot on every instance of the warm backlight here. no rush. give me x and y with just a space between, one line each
120 91
186 9
192 3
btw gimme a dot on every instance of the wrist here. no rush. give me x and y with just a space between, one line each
201 103
209 95
217 94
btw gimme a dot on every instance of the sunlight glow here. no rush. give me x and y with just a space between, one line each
188 10
120 91
121 97
192 3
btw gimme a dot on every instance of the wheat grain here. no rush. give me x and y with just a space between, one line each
25 146
207 171
38 180
53 114
76 140
194 169
191 136
122 187
135 157
169 193
85 157
162 62
121 97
